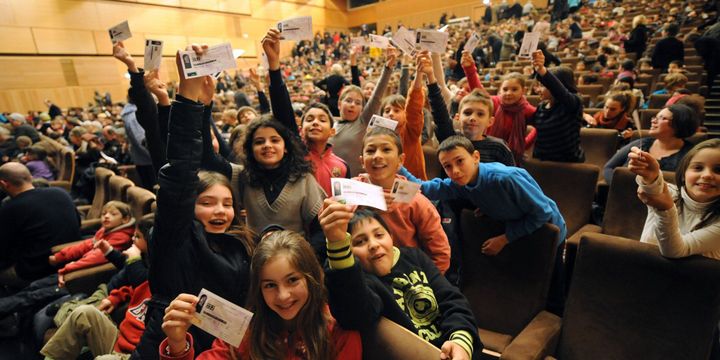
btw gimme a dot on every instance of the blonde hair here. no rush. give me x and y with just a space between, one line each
637 20
675 80
121 207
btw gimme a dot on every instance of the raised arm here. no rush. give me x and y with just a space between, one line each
354 71
471 74
373 104
561 94
444 127
279 95
262 98
440 76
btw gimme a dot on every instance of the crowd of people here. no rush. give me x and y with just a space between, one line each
242 166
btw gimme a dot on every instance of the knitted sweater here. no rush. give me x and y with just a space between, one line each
119 238
673 230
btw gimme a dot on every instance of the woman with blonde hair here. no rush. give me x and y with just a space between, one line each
637 42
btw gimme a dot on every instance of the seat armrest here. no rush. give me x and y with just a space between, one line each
83 209
86 280
574 239
538 339
63 184
92 225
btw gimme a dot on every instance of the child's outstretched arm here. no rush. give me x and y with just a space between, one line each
439 110
354 70
279 95
440 76
373 104
561 94
262 98
527 195
471 74
435 189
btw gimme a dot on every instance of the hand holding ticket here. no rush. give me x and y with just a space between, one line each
216 59
431 40
153 54
120 32
529 44
380 121
221 318
298 28
355 192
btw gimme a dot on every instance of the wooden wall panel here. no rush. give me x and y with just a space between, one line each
57 41
97 71
30 72
16 40
57 14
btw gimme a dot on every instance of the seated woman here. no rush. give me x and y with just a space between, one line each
666 142
615 114
684 221
401 284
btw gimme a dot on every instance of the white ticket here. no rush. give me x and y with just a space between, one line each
472 42
355 192
404 191
120 32
216 59
378 41
405 40
221 318
377 120
153 54
529 44
359 41
431 40
264 61
298 28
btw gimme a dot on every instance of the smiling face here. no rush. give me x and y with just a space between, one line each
475 118
112 217
284 288
459 165
661 125
214 208
381 159
373 246
511 91
702 177
268 147
316 126
351 105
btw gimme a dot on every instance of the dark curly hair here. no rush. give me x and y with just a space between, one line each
293 163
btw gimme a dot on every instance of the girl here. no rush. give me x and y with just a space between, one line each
512 110
615 114
401 284
117 229
684 222
196 242
558 116
284 271
666 141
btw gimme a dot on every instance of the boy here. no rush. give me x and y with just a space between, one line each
414 224
398 283
503 193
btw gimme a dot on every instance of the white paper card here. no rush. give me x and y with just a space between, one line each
378 41
359 41
221 318
120 32
529 44
404 191
264 61
153 54
405 40
216 59
355 192
298 28
432 40
472 42
377 120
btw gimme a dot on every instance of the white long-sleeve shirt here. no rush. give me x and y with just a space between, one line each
672 231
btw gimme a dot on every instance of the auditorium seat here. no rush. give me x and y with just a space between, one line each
91 213
391 341
140 201
658 101
433 169
118 188
571 186
643 306
591 90
508 292
599 146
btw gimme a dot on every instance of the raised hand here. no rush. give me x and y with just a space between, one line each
466 60
157 87
390 57
334 219
177 320
538 62
254 78
424 66
271 46
208 90
643 164
191 89
120 53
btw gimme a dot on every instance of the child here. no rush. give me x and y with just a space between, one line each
316 122
117 228
558 116
197 241
512 110
414 224
90 326
246 114
503 193
37 163
399 283
615 114
284 271
684 222
229 120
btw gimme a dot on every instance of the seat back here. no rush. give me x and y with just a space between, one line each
658 101
591 90
571 186
599 145
67 166
102 192
393 342
140 201
432 164
506 291
118 188
624 213
643 306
